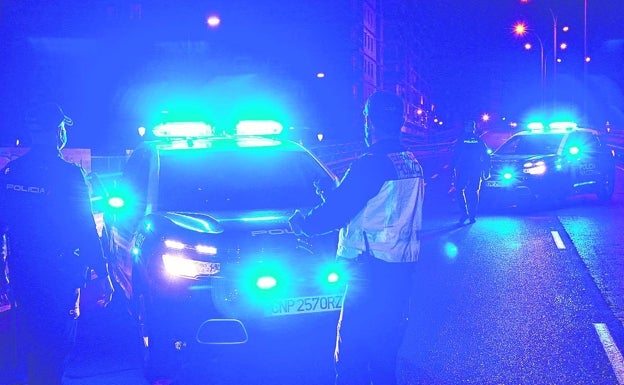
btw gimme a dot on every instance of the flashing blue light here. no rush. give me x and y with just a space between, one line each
536 126
574 150
266 282
183 129
450 249
116 202
563 126
258 127
333 277
507 176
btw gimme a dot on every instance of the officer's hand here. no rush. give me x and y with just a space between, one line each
295 222
107 291
97 293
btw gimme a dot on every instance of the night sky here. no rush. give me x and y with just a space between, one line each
485 68
469 59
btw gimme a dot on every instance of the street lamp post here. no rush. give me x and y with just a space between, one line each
554 87
521 29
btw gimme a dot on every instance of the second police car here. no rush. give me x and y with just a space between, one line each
199 238
547 163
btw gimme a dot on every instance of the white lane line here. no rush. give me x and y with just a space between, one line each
617 362
558 240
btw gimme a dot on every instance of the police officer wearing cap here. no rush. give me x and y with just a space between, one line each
471 164
52 242
378 208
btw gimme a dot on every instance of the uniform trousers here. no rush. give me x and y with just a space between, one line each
372 321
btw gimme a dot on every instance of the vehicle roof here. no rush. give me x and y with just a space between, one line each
223 144
556 132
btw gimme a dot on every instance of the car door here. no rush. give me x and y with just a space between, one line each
584 151
131 193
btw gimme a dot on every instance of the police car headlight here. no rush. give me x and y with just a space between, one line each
534 168
180 266
199 248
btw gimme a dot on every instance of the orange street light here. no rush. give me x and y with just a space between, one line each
522 29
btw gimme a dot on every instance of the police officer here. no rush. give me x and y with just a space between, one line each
45 214
471 163
377 207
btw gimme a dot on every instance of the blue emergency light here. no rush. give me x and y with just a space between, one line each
183 129
562 126
258 127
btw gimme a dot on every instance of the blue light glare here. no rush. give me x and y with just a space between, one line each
116 202
450 250
333 277
563 126
258 127
266 282
183 129
260 218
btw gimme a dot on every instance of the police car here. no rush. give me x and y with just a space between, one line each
547 163
197 229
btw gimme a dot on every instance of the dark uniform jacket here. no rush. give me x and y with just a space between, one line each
471 158
381 195
45 212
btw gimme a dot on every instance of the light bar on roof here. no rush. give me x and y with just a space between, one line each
258 127
183 129
535 126
563 126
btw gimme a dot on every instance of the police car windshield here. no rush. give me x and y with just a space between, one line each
240 179
532 144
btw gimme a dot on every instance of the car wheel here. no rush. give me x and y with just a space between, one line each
161 358
607 188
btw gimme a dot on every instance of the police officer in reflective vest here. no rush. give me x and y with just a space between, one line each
471 164
378 209
52 242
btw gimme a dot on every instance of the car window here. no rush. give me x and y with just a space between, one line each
584 141
241 179
134 181
541 144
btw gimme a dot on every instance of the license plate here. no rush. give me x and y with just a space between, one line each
209 268
303 305
493 183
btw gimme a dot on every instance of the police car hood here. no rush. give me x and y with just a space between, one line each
496 158
243 230
253 222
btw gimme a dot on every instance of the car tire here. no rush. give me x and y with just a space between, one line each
606 188
161 360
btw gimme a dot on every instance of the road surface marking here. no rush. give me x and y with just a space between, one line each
558 240
615 357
